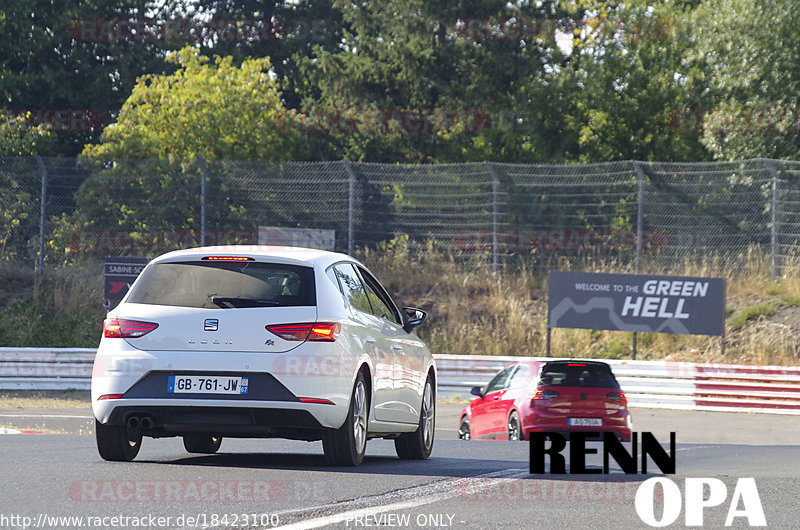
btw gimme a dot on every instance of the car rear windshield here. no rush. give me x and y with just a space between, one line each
225 285
577 374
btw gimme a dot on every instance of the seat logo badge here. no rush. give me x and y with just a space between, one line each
211 324
270 342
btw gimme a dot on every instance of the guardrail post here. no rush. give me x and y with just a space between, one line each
39 267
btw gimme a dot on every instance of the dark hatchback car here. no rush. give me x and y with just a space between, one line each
561 396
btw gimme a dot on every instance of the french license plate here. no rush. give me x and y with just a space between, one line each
206 384
585 422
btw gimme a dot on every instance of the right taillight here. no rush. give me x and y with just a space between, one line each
313 331
120 328
617 396
544 394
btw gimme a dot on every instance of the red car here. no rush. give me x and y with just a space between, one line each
559 396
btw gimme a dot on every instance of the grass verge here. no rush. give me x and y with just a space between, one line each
472 310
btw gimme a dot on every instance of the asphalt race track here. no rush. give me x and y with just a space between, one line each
477 484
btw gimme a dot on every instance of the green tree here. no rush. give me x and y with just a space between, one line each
416 81
69 55
621 88
20 137
19 184
753 72
287 32
208 107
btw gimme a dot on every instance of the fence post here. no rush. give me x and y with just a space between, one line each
773 243
42 212
495 206
203 176
640 178
351 204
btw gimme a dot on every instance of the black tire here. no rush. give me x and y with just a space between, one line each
418 445
346 445
463 429
202 443
116 443
514 427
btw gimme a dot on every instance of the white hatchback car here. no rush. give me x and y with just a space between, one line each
249 341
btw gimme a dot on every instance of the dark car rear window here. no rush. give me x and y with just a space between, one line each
231 284
577 374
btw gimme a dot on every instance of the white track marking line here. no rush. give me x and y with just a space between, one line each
420 496
5 430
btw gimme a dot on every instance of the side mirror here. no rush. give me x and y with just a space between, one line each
477 391
414 317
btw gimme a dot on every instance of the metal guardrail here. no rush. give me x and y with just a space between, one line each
648 384
657 384
46 368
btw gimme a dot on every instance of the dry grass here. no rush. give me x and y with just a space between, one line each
41 399
64 308
473 311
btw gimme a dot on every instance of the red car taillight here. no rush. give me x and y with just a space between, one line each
617 396
544 394
226 258
314 331
120 328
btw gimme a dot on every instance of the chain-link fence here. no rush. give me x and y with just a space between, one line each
56 209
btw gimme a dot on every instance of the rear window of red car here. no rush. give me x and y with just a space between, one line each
578 374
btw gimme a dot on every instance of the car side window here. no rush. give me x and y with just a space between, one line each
351 285
519 377
381 307
331 274
499 381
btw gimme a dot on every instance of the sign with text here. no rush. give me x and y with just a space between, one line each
636 302
120 273
297 237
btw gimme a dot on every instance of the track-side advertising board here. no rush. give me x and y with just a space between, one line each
636 302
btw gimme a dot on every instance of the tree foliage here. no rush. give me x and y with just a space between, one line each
751 63
424 81
48 64
209 108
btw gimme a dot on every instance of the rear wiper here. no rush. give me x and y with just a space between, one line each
241 301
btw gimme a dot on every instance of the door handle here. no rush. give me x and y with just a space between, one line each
369 340
397 347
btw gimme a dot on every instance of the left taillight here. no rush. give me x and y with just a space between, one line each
120 328
313 331
617 396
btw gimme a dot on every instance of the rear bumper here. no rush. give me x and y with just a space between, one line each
619 424
276 382
165 420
